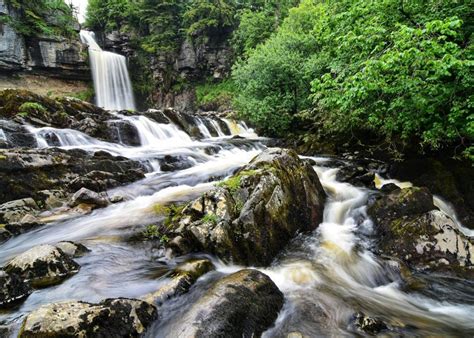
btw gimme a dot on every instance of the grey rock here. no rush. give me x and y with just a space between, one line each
110 318
72 249
87 196
15 211
42 265
243 304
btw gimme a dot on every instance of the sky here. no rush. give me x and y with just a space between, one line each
81 6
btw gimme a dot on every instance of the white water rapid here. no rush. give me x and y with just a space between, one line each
326 276
113 89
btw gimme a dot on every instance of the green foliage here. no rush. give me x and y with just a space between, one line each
108 15
210 218
204 17
401 71
28 108
215 94
152 232
85 95
42 17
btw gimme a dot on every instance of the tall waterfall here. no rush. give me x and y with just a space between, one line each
112 84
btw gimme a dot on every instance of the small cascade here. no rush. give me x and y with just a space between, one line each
239 128
202 128
113 88
3 137
217 127
152 133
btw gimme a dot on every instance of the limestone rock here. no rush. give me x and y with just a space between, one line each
42 265
412 230
255 213
111 318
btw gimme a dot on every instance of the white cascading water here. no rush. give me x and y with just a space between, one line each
3 137
113 88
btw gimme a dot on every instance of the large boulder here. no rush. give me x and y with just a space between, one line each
410 228
243 304
13 289
450 179
251 216
110 318
28 172
43 265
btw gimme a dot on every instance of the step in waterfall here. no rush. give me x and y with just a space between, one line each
113 89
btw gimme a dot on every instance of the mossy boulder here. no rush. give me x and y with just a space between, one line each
243 304
410 228
42 266
450 179
251 216
26 107
110 318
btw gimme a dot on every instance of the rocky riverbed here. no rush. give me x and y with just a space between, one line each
166 224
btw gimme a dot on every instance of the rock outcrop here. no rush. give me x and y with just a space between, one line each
42 266
410 228
110 318
251 216
243 304
52 55
27 173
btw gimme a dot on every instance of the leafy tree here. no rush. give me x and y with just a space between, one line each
400 70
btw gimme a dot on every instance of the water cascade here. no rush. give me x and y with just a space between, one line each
331 270
113 89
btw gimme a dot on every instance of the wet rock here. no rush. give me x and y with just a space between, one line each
412 230
450 179
369 325
25 225
13 290
255 213
43 265
15 211
16 135
123 132
26 172
111 318
402 202
86 196
182 278
243 304
72 249
51 199
173 163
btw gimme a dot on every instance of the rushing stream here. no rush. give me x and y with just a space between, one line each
331 271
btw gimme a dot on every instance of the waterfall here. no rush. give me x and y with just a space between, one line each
113 89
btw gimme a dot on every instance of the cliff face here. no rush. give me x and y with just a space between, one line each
176 75
53 56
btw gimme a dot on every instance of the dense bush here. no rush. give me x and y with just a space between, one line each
399 71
